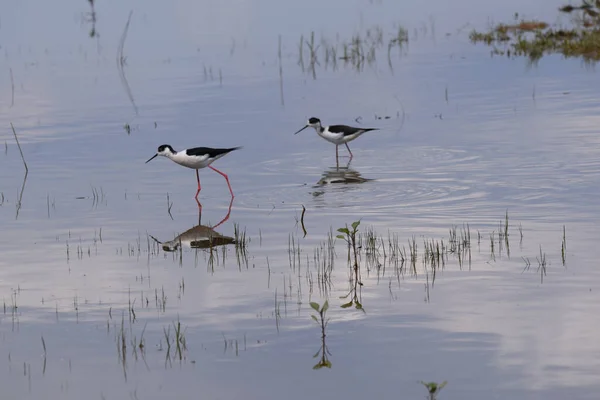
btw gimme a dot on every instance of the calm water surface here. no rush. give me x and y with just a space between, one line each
469 137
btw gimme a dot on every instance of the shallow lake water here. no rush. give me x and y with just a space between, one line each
465 141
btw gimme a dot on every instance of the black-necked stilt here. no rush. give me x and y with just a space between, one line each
196 158
336 134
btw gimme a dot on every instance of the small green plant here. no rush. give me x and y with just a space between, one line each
322 321
433 388
350 237
354 290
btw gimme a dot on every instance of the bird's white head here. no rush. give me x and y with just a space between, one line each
164 150
312 123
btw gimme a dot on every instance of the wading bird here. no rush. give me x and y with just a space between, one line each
336 134
196 158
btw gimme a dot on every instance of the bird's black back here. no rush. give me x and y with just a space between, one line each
348 130
212 153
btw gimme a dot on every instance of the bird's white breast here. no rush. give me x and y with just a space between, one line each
335 138
194 162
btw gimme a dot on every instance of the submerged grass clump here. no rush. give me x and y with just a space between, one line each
324 258
241 245
357 52
534 39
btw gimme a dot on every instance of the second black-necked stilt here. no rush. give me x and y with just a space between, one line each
196 158
336 134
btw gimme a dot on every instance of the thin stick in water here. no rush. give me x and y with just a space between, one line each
302 220
280 73
12 86
121 63
19 145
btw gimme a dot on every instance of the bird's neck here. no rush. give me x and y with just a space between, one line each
172 245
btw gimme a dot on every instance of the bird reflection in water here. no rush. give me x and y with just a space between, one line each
199 236
339 174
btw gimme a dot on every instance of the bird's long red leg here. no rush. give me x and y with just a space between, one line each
198 191
227 216
348 147
336 152
225 176
199 211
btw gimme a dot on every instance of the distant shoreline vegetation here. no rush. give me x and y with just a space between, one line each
534 39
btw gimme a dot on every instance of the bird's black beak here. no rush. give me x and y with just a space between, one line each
151 158
302 129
